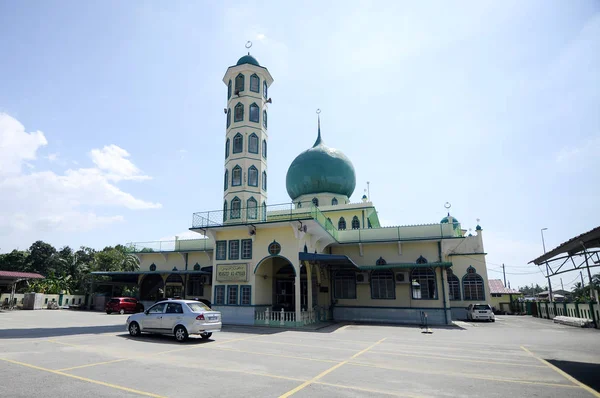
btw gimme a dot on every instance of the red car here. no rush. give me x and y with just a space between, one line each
123 305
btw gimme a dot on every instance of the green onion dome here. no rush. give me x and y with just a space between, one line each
248 59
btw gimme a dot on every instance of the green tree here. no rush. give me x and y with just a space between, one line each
42 258
16 260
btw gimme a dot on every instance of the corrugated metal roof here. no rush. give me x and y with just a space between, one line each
497 287
20 275
573 246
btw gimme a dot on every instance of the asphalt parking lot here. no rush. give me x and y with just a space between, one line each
67 353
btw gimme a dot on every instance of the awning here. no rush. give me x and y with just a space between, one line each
337 261
404 266
585 241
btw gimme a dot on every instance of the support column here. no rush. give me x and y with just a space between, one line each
309 298
297 296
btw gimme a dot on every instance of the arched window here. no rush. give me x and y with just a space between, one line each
254 113
265 119
254 83
473 286
264 211
251 208
264 149
342 223
421 260
238 112
383 285
226 180
238 143
355 223
334 202
453 286
344 285
228 117
236 177
315 201
265 89
253 176
229 89
380 261
225 211
239 83
253 143
264 180
423 284
236 206
299 205
227 148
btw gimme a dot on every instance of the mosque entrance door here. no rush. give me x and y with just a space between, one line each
285 289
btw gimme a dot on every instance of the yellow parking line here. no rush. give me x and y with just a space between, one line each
116 387
63 343
326 372
468 375
94 364
371 390
461 359
273 355
564 374
305 345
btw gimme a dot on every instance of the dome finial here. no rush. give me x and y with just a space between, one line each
318 141
248 45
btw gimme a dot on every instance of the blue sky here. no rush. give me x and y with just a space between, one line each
112 127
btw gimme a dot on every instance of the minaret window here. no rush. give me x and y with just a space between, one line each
252 209
255 83
264 211
253 176
265 89
238 113
236 177
253 143
334 202
225 211
238 143
228 117
236 205
239 83
227 148
315 202
264 118
254 113
264 149
342 224
226 179
355 223
264 180
229 90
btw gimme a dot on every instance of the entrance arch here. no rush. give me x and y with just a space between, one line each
275 283
152 287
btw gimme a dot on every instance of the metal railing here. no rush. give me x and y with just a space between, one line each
169 246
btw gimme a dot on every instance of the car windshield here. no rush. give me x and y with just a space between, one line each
482 307
113 301
198 307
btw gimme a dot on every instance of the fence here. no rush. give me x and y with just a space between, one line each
549 310
289 318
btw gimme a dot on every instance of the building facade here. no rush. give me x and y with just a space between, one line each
319 257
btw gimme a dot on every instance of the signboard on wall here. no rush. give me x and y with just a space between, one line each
232 272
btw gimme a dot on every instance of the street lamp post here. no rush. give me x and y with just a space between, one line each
550 296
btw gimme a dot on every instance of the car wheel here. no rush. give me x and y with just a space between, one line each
206 335
122 311
108 312
181 334
493 320
134 329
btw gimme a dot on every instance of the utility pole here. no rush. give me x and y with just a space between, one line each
547 268
504 272
581 275
562 286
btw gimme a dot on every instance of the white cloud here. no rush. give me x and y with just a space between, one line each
112 159
47 201
16 145
581 154
53 157
260 36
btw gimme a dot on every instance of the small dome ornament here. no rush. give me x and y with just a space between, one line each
478 227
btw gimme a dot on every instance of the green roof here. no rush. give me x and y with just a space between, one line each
445 220
403 266
248 59
320 169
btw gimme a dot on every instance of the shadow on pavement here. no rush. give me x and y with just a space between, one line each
587 373
57 332
167 339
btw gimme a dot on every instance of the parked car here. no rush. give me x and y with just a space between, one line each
180 318
480 312
123 305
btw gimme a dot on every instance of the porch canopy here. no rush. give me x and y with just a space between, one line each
9 278
584 247
341 262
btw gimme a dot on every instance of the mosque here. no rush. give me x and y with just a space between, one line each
318 258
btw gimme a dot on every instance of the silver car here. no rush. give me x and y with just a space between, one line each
177 317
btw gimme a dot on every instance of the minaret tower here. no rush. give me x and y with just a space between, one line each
246 140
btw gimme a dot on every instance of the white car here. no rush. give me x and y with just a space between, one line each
177 317
477 312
